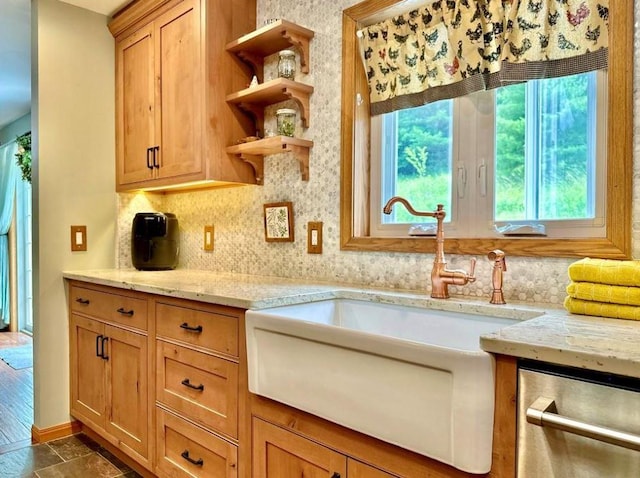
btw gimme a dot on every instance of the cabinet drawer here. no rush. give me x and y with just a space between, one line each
187 450
206 329
199 386
116 308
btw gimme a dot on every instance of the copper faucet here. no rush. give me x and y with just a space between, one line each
499 266
441 277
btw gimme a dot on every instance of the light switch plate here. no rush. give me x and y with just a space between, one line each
78 238
314 237
208 238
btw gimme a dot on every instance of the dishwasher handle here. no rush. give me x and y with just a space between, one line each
542 412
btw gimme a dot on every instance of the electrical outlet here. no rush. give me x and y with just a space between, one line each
78 238
208 238
314 237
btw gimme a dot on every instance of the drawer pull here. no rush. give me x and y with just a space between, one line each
125 312
542 412
82 301
198 462
186 326
187 383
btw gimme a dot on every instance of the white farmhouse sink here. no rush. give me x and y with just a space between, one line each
409 376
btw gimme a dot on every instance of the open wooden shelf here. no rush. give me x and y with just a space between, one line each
271 38
254 152
253 48
255 99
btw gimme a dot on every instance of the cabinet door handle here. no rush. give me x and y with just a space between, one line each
187 383
149 165
186 326
103 355
156 149
335 475
185 455
98 342
125 312
82 301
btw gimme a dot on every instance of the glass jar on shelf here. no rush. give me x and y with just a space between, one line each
287 64
286 121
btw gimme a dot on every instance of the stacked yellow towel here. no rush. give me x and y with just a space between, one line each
606 271
611 294
604 287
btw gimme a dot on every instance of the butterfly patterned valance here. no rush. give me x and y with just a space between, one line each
449 48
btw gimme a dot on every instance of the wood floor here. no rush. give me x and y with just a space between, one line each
16 398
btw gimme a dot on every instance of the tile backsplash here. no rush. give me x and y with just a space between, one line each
237 213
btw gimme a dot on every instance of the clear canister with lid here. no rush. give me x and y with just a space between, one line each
286 120
287 64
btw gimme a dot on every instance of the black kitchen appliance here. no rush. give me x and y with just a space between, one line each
155 241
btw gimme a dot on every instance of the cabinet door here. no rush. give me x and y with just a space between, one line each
127 388
180 68
357 469
135 107
88 400
278 453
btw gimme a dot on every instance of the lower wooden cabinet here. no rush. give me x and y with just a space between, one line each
109 383
279 453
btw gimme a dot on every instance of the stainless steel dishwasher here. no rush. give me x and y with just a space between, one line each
577 423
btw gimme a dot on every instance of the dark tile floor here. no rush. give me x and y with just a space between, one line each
76 456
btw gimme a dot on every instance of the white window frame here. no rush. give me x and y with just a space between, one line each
473 158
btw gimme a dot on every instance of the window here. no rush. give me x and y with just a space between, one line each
529 154
356 193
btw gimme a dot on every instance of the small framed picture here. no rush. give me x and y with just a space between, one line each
278 222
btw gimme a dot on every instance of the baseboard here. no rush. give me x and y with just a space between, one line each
41 435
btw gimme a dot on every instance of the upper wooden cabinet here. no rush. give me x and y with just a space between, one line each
172 77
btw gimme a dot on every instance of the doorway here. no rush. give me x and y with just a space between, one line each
16 317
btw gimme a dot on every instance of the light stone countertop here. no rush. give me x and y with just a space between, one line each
542 332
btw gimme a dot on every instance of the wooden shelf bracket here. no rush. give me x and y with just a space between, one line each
302 100
256 62
257 111
302 155
303 47
257 163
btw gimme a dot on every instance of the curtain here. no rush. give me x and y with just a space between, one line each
8 179
450 48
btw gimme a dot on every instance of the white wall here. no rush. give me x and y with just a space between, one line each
20 126
73 98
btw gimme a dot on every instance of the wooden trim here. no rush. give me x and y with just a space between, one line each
132 13
244 407
616 244
503 464
43 435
